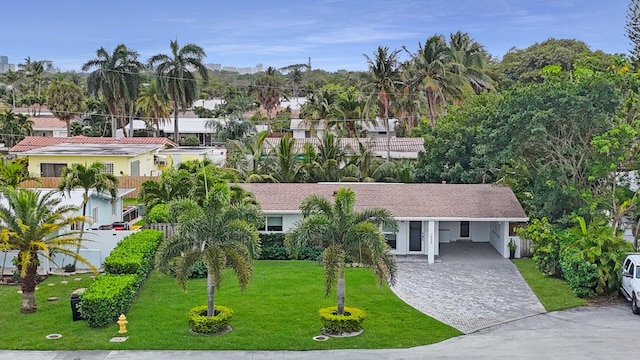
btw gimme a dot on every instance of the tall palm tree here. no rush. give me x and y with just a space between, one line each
342 230
117 78
269 89
438 74
176 79
221 233
321 106
94 176
66 101
383 80
35 224
154 104
472 55
284 165
12 78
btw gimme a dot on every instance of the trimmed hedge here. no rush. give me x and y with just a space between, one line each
581 275
350 322
200 323
107 298
127 268
134 254
273 249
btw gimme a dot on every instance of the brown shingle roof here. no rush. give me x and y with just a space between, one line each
47 123
36 142
443 201
374 144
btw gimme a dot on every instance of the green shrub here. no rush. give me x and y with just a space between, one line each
274 252
190 140
581 275
332 323
198 269
107 297
313 253
546 245
134 254
271 239
200 323
158 214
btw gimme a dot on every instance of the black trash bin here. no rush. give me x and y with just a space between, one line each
75 311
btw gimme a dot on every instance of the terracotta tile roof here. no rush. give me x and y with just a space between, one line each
36 142
374 144
48 123
442 201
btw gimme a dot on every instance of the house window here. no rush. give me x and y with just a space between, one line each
108 168
390 236
464 229
94 216
273 223
51 170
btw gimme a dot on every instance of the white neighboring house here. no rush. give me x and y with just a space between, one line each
399 148
427 214
302 129
97 244
49 127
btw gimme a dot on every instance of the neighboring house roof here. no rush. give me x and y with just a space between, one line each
194 150
434 201
71 149
47 123
379 126
374 144
36 142
75 196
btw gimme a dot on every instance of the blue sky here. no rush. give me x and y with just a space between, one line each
334 33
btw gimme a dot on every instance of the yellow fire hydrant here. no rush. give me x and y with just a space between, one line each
122 322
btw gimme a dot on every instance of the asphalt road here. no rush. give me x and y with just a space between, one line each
582 333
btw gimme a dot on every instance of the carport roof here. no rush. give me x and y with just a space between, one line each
433 201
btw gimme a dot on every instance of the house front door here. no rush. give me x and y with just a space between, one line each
415 236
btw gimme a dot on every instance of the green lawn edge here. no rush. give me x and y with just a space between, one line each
277 311
554 294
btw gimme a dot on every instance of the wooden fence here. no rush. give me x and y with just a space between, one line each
124 182
525 247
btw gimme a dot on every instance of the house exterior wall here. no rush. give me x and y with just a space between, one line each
108 212
121 164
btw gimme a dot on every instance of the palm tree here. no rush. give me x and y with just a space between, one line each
35 224
14 127
221 233
284 165
117 78
12 78
176 79
342 231
383 81
173 184
13 173
438 74
269 89
320 107
66 101
472 55
154 104
84 177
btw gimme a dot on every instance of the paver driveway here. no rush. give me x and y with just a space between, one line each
471 287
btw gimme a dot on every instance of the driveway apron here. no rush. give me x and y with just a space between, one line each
470 287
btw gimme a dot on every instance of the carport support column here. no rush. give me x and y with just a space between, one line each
431 241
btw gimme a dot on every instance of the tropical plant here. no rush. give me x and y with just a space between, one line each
344 232
383 80
173 184
84 177
14 127
221 233
66 101
117 79
154 105
269 89
176 79
36 224
13 173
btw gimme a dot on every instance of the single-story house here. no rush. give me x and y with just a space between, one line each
216 154
427 214
135 156
302 129
399 148
101 210
49 126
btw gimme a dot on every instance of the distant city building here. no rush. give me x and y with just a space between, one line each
240 70
4 64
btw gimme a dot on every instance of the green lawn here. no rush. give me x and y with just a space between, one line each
277 311
554 294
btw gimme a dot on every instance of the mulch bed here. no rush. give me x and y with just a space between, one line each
606 301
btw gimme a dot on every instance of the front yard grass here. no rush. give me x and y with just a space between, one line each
553 293
277 311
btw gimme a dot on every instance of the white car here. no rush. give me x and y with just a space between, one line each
631 281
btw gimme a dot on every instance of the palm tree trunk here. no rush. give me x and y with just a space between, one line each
388 140
28 284
85 200
340 290
210 293
176 134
